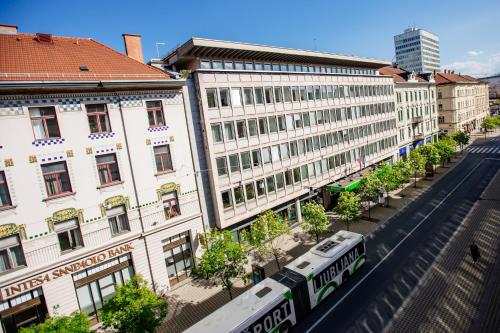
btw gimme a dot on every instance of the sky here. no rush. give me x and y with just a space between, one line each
468 30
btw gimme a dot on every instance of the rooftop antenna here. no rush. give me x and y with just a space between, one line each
157 49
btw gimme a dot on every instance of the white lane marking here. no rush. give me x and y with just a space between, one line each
394 248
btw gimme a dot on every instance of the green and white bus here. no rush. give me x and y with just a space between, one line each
280 301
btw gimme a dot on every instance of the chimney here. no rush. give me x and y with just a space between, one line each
133 46
7 29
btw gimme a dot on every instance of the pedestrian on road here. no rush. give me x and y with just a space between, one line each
474 252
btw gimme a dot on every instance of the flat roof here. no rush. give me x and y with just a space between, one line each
210 48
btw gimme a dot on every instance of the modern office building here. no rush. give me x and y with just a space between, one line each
96 176
417 117
462 102
274 125
417 50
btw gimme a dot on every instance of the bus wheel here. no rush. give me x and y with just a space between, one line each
345 276
285 327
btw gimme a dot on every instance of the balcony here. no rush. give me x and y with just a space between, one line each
417 119
418 136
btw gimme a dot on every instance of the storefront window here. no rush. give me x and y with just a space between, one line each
97 284
22 311
178 256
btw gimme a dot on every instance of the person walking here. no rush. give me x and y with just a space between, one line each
474 252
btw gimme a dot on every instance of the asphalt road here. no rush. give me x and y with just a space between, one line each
403 250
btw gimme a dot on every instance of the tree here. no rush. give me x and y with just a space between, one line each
431 155
348 207
78 322
315 220
489 123
446 149
134 308
461 139
266 235
222 261
404 171
389 179
417 162
369 189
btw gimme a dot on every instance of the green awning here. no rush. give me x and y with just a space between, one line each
342 187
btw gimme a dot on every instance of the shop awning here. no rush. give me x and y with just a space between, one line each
336 187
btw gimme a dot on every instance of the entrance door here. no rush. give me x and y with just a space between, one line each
23 315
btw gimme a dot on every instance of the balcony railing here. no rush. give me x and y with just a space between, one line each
417 119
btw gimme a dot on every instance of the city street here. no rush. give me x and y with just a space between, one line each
419 275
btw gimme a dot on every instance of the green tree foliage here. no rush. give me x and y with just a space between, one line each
348 207
315 220
431 155
370 189
446 148
489 123
417 163
389 179
78 322
404 171
134 308
222 261
266 235
460 138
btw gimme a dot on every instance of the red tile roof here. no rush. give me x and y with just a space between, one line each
445 77
399 74
24 58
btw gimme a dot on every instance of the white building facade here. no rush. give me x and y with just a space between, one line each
274 132
417 50
96 185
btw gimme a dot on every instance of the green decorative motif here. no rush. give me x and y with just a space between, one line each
358 262
13 229
64 215
288 295
327 287
310 276
118 200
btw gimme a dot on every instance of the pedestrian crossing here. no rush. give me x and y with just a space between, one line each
483 149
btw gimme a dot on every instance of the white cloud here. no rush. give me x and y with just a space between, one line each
477 68
474 53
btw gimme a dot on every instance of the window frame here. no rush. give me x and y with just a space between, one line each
107 166
57 177
154 110
120 228
44 119
8 251
97 115
5 185
163 156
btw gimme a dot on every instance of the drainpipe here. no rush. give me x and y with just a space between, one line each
135 190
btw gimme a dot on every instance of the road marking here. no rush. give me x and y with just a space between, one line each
394 248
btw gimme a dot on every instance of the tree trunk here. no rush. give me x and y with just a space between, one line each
277 262
317 238
387 203
229 289
415 179
369 209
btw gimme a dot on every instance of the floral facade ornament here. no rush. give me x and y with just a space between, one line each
32 159
172 139
64 215
13 229
118 200
88 150
168 187
9 162
119 146
69 153
148 142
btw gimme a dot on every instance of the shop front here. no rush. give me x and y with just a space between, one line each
178 254
22 311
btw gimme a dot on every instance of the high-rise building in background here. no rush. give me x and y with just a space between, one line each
417 50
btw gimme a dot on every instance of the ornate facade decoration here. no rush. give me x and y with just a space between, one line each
115 201
69 153
88 150
32 159
172 139
13 229
119 146
168 187
148 142
9 162
64 215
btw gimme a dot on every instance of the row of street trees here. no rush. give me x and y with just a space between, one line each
490 123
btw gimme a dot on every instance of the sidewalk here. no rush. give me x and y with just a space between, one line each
191 300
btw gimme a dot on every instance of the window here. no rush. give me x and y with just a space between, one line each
262 126
245 160
278 96
163 159
155 113
259 98
238 195
295 94
56 178
217 64
284 151
275 153
228 65
270 184
229 131
273 125
238 65
297 118
261 189
280 181
440 107
5 200
217 132
234 163
288 177
281 123
11 253
248 93
205 64
44 123
266 155
252 127
236 97
98 118
269 95
171 204
221 166
256 158
241 129
69 235
250 191
107 167
289 122
296 175
287 95
227 201
224 97
118 220
249 66
212 98
258 66
293 148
